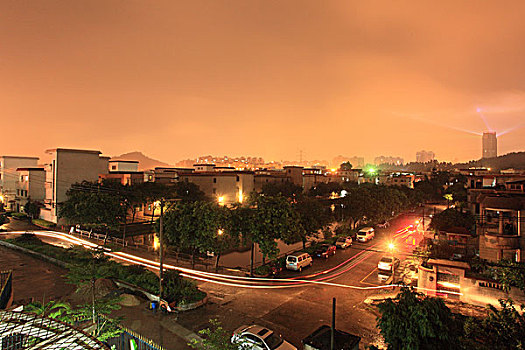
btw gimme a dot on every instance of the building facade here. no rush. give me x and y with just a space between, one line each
67 167
425 156
489 145
9 179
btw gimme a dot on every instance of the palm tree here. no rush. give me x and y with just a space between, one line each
58 310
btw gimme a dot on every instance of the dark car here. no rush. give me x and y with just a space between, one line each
325 250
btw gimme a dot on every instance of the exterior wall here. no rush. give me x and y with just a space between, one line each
131 178
9 177
295 174
125 166
489 145
399 180
472 290
68 167
31 185
261 179
225 187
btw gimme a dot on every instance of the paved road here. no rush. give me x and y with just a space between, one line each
296 312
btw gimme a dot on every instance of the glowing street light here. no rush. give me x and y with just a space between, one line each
391 247
220 199
220 232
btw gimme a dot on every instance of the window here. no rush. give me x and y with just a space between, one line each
214 191
214 180
113 167
238 178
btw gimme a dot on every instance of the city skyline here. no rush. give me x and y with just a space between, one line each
176 79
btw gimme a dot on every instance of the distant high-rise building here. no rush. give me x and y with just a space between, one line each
388 160
425 156
489 145
357 162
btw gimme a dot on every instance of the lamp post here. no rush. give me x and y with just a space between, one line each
161 257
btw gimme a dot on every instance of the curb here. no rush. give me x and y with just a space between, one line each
35 254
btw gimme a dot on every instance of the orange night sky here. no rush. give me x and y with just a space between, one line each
178 79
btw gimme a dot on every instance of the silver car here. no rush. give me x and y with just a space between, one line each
259 338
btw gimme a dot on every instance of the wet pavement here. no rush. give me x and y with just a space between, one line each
34 278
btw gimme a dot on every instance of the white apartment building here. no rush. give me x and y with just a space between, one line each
31 185
67 167
9 178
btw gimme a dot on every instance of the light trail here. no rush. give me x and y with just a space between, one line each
229 280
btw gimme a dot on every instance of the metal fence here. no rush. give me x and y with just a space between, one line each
129 340
6 288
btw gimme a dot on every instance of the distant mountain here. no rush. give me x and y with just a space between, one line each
145 162
514 160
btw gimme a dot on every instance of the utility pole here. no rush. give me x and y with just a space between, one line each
161 257
332 333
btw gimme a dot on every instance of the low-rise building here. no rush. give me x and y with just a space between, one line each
31 185
67 167
397 179
227 187
9 179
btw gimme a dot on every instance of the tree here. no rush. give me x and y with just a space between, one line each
451 218
346 166
32 209
510 274
214 338
313 216
285 189
412 321
58 310
502 328
273 219
188 192
193 226
89 271
91 203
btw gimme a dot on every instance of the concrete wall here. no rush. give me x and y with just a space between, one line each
67 168
9 177
123 166
472 290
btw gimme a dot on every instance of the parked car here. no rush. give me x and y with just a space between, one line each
298 261
365 234
343 242
387 262
259 338
325 250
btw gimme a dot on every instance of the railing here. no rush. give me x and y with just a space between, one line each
6 288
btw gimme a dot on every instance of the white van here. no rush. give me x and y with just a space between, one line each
365 234
297 261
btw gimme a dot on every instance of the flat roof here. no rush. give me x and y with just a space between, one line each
72 150
203 164
217 173
122 161
30 169
124 172
20 157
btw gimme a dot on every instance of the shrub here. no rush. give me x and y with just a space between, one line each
20 216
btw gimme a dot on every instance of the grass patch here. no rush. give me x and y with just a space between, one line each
44 223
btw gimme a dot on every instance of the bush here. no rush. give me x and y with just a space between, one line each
3 219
